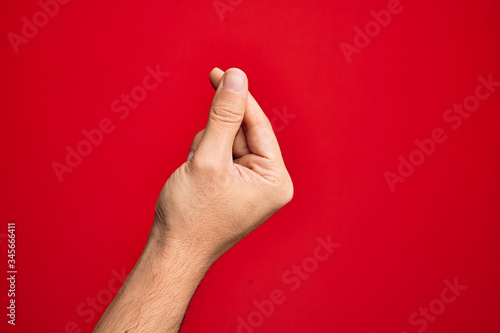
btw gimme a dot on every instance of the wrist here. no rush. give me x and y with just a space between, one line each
182 254
163 281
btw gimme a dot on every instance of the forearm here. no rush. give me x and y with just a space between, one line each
233 180
157 292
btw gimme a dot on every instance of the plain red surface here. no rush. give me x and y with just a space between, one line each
352 121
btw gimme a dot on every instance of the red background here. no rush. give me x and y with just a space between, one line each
352 121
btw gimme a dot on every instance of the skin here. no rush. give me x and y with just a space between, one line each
234 180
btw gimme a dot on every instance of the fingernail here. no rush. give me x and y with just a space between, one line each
234 80
191 153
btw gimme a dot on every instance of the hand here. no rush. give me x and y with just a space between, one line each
234 179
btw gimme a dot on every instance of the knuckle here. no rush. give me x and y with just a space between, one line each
206 166
209 170
209 175
286 192
197 139
199 135
226 112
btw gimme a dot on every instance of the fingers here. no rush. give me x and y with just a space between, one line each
260 137
239 146
225 117
216 76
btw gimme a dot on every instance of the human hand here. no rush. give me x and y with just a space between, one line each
234 179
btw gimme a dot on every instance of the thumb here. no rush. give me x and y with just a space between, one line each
225 117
